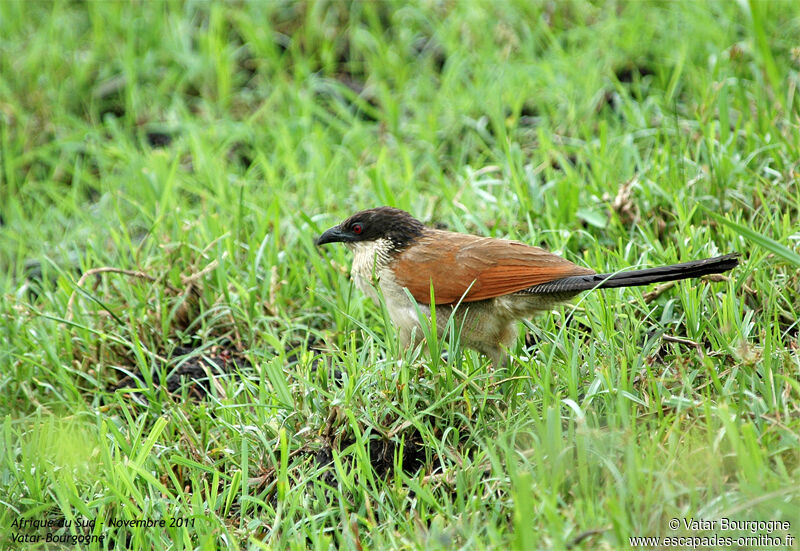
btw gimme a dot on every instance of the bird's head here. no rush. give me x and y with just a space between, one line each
394 225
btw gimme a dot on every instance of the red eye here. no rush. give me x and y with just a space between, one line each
357 229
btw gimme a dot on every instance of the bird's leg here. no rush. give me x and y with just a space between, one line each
499 358
409 338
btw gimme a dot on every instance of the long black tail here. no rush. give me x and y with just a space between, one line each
696 268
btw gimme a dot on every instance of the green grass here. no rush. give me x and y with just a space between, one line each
519 119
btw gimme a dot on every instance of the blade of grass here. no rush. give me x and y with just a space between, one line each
778 249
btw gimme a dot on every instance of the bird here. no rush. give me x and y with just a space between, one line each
487 284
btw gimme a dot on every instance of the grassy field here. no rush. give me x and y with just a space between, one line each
173 347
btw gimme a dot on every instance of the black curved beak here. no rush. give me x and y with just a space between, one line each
333 235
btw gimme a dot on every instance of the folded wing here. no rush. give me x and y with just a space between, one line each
475 268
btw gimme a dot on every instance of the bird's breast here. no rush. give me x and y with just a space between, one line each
372 270
370 259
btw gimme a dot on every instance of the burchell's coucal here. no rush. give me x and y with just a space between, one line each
491 283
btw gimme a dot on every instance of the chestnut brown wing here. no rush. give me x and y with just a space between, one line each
476 268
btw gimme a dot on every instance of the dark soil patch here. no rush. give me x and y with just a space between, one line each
196 370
